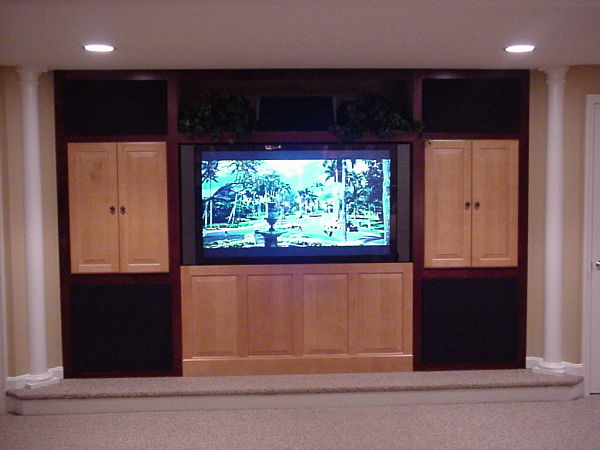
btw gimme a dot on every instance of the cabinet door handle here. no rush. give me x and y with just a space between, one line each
467 205
113 210
123 210
477 205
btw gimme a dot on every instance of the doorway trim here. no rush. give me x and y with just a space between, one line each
591 135
3 281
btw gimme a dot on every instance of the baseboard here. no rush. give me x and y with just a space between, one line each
572 368
223 366
19 381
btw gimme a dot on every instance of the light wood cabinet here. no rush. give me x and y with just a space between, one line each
118 207
296 318
471 203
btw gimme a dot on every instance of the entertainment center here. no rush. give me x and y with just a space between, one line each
295 203
291 250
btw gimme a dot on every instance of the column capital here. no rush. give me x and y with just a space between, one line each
557 73
29 74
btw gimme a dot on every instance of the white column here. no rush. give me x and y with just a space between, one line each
552 362
39 375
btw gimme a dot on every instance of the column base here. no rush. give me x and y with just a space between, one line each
550 368
38 381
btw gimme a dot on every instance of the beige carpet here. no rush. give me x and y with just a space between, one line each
572 425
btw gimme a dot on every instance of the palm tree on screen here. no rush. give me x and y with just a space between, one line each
209 174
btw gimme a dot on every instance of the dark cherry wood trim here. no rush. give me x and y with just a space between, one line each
295 74
63 221
471 272
523 215
121 374
417 96
172 106
291 137
177 344
265 137
120 138
418 209
82 279
470 366
418 243
473 73
174 220
92 75
440 135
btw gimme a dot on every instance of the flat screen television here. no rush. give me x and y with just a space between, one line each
295 203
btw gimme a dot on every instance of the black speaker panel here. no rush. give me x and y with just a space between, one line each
310 113
472 105
469 320
121 328
115 107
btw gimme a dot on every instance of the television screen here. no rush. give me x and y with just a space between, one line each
286 205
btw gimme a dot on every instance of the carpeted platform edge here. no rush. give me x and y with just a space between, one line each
126 388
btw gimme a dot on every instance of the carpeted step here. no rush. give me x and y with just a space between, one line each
290 391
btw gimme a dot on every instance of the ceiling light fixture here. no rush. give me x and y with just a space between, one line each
521 48
99 48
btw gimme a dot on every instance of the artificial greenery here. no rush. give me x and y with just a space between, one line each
215 115
372 115
369 115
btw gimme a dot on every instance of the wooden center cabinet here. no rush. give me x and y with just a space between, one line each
297 318
118 207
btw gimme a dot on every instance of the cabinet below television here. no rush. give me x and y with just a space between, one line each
300 318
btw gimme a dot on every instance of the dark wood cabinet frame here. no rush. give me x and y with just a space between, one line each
412 83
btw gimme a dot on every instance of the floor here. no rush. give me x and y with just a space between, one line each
571 424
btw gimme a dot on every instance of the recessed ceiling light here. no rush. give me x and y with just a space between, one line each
99 48
521 48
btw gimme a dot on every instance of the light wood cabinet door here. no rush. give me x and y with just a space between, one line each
270 314
93 201
471 203
326 310
213 314
118 207
380 314
495 203
447 203
143 218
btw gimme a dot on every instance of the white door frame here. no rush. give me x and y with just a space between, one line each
3 336
3 281
592 155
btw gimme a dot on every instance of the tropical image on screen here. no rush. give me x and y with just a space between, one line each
300 202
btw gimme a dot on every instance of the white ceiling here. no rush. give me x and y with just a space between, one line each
195 34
